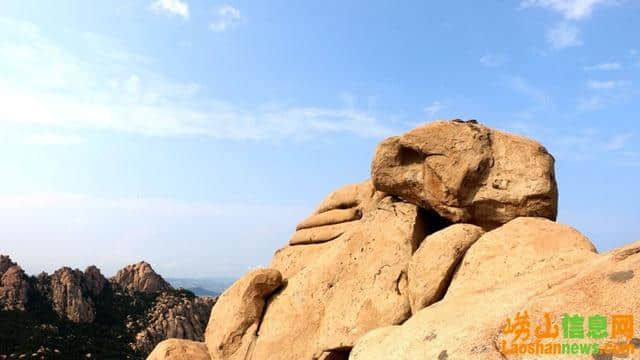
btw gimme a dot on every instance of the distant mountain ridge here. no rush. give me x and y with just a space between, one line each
70 313
212 286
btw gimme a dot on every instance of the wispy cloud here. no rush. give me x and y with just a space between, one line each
618 142
591 103
227 18
539 101
570 9
604 67
52 139
434 108
564 35
493 60
171 7
537 95
44 84
608 84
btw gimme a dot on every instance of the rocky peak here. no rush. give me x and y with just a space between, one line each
69 295
5 263
14 285
94 281
140 277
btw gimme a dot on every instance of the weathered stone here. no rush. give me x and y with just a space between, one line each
432 265
338 290
522 247
336 214
14 286
539 267
235 318
173 316
69 296
468 173
140 277
94 281
174 349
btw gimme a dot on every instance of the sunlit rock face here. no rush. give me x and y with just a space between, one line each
468 173
453 235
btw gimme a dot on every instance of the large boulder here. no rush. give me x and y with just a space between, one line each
338 287
140 277
234 321
524 247
469 173
174 349
531 265
432 266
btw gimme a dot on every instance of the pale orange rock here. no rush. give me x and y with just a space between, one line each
175 349
468 322
432 265
468 173
236 316
338 290
140 277
523 247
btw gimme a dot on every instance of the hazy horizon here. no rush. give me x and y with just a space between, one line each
195 135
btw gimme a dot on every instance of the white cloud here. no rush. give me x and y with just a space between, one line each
536 95
172 7
609 84
44 84
493 60
570 9
564 35
52 139
590 104
604 66
227 18
618 142
434 108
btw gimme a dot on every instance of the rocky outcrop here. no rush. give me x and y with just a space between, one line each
172 316
140 277
523 247
470 322
93 280
469 173
453 237
234 321
71 312
70 296
14 286
175 349
339 289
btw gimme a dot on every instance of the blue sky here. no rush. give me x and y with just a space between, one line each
196 134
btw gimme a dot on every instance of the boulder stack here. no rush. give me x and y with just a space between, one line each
454 234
